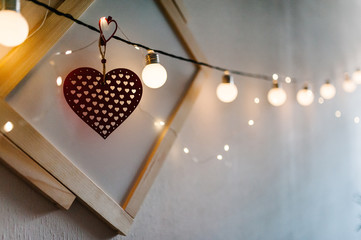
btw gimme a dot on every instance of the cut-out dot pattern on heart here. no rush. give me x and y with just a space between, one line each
85 93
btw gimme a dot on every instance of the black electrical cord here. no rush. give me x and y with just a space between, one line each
236 72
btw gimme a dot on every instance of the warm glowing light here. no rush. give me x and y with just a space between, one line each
321 100
227 90
154 74
356 120
159 123
276 96
327 90
356 76
136 47
348 85
288 80
226 147
104 23
219 157
337 114
68 52
256 100
186 150
59 81
305 96
51 62
14 28
8 126
251 122
275 76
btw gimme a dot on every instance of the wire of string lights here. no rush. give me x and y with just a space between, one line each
236 72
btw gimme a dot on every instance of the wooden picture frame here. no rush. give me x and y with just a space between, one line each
29 154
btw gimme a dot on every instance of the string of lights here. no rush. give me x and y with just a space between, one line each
139 45
158 123
154 75
226 90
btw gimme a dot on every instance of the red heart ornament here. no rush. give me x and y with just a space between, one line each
103 105
107 22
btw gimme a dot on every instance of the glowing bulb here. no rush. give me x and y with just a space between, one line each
154 75
356 120
321 100
68 52
327 90
276 96
356 76
337 114
14 28
226 147
219 157
288 80
8 126
159 124
275 76
104 23
305 96
227 90
186 150
250 122
348 85
59 81
256 100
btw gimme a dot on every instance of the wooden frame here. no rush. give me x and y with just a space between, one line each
29 154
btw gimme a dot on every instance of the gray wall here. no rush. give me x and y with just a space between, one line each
293 175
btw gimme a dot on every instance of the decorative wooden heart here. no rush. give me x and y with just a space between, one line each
103 105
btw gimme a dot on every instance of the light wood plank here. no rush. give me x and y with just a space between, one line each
26 168
162 146
46 155
166 139
171 11
20 60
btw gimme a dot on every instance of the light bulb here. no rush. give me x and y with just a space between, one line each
275 76
356 76
348 85
154 75
305 96
8 126
14 28
227 90
276 96
59 81
103 21
327 90
356 120
321 100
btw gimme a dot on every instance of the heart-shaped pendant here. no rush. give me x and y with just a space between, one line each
104 23
103 105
